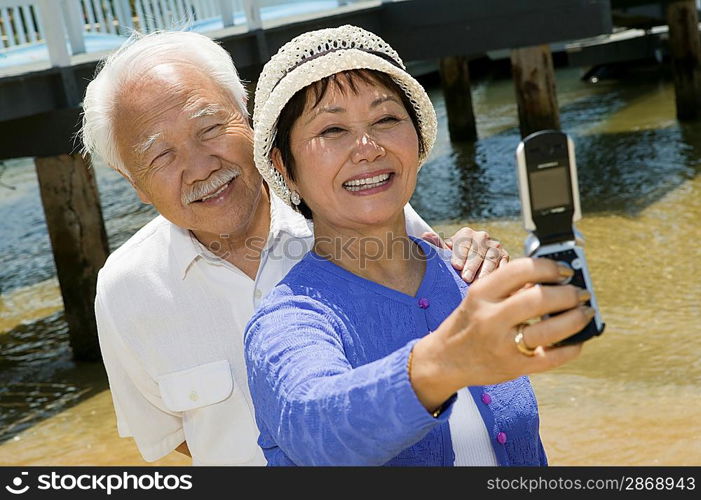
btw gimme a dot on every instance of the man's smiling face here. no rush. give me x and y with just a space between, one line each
188 149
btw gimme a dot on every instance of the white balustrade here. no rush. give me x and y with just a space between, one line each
173 14
51 17
19 23
63 24
251 10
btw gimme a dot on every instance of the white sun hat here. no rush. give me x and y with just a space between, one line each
314 56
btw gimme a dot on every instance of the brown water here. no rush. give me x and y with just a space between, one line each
632 398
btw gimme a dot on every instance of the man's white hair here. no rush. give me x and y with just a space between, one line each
138 54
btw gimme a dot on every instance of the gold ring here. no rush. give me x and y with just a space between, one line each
520 344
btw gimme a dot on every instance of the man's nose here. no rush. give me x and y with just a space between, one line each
199 165
366 148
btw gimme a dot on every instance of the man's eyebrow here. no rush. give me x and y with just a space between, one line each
209 110
144 146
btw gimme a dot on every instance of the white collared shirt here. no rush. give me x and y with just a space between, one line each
171 317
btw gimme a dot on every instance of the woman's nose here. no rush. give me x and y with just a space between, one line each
366 148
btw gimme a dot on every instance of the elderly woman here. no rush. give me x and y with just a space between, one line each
370 351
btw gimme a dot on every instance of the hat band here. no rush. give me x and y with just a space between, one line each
381 55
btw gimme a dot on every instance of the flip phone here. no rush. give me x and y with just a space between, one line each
547 177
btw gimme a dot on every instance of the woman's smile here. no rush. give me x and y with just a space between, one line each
370 183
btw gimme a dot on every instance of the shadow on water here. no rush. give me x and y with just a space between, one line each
630 148
38 378
619 172
25 249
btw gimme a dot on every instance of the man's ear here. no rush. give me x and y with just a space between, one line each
141 194
276 157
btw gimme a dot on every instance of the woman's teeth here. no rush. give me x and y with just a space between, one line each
367 183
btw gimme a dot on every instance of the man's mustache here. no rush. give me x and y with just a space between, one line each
209 186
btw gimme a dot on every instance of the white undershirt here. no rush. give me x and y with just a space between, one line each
471 442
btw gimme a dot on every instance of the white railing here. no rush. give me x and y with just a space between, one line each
63 24
19 23
98 16
153 15
112 17
21 20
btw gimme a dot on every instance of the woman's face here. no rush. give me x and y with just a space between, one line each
356 156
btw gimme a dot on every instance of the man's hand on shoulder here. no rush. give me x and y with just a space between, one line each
475 254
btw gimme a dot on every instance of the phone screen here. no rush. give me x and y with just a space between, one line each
550 188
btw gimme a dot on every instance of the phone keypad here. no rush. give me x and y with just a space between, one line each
573 261
570 259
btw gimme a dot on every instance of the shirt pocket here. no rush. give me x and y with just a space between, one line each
219 424
196 387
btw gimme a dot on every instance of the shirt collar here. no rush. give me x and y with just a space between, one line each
284 219
185 249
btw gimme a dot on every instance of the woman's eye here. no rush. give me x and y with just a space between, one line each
330 131
387 120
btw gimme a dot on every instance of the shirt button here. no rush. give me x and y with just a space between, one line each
486 398
194 396
258 294
424 303
501 437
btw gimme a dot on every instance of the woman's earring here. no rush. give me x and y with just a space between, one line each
294 198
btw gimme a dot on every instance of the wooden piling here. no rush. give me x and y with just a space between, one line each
455 78
534 78
685 53
79 241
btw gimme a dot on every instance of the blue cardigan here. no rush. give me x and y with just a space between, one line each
327 356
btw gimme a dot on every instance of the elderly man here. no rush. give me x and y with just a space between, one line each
169 113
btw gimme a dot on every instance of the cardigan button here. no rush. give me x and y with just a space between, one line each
424 303
486 398
501 437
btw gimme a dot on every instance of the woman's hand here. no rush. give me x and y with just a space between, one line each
475 345
474 252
